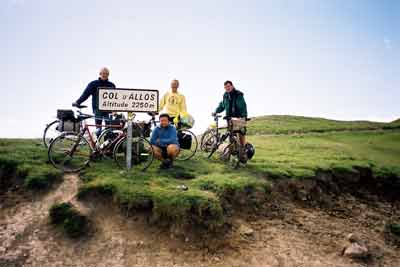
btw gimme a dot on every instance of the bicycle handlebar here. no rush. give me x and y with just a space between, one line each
78 106
229 118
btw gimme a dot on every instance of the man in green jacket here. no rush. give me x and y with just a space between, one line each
234 105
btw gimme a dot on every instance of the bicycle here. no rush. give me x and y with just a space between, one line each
206 140
187 143
52 130
234 147
141 147
71 152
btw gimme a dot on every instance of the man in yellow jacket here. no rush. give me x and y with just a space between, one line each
173 101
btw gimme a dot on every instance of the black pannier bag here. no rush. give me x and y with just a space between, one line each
141 127
65 114
185 140
117 120
147 129
69 126
68 123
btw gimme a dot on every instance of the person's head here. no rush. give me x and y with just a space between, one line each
228 85
174 85
104 73
164 120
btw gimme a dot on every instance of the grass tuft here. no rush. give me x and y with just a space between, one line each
69 219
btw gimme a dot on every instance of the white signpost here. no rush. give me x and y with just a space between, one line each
128 100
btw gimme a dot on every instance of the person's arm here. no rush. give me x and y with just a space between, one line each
154 136
85 95
221 107
242 105
162 102
182 106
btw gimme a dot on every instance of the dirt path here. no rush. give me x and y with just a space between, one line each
20 225
291 236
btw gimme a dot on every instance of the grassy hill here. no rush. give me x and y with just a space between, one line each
284 124
216 190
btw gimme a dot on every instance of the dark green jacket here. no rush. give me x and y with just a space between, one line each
238 109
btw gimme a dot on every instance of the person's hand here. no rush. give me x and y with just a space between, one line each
74 104
213 114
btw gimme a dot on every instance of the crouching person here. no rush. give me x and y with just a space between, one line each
165 142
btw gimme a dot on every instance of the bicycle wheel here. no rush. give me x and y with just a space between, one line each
187 153
142 153
69 152
107 134
207 140
50 133
229 153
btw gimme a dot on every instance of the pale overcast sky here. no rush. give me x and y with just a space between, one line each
334 59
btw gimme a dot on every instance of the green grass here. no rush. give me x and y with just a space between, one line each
395 229
211 186
26 159
215 189
300 156
283 124
69 219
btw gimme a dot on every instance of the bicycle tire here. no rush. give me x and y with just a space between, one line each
206 136
52 157
47 143
119 149
100 140
193 152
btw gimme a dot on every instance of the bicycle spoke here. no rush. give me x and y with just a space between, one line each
142 153
186 153
64 154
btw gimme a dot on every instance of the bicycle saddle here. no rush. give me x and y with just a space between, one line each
78 106
83 116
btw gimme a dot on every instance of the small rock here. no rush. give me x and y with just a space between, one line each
246 230
217 258
353 238
355 250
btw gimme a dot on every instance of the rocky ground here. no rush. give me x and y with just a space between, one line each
288 233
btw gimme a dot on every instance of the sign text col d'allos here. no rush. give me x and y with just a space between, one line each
128 100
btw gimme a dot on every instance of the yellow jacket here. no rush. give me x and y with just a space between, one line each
174 103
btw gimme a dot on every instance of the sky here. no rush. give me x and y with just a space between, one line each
336 59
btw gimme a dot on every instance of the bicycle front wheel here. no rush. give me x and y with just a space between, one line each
107 134
230 155
208 139
142 153
187 152
69 152
50 133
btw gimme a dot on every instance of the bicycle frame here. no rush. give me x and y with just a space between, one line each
233 137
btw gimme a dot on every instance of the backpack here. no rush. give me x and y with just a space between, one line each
68 122
185 140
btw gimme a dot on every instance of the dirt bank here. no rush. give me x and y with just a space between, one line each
288 233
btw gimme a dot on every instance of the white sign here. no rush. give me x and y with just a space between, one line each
130 100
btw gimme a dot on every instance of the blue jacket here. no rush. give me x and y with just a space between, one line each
91 90
163 137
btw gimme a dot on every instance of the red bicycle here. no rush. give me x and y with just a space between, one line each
71 152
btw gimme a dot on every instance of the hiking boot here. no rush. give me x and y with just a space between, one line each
166 164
